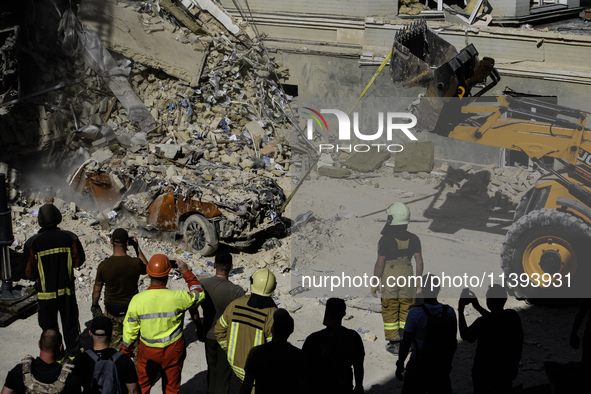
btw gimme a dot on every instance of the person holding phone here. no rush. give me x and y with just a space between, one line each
156 317
119 274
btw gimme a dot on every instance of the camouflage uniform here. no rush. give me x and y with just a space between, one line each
32 385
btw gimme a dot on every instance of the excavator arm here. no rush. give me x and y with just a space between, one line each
550 239
505 123
454 106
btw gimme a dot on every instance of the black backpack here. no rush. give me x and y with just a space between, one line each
440 343
104 377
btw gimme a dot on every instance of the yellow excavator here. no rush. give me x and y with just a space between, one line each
546 251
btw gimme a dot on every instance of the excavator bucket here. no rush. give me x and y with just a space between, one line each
416 52
422 58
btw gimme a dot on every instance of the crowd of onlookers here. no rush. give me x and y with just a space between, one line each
138 337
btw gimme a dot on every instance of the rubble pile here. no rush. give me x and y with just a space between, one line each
412 7
94 235
237 115
223 141
8 71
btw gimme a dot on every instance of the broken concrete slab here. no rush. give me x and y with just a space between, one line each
255 129
325 160
182 16
170 151
126 35
334 172
367 161
102 155
416 157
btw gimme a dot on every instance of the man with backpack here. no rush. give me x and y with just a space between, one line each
103 369
43 375
431 333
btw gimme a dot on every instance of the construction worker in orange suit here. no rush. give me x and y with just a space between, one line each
157 316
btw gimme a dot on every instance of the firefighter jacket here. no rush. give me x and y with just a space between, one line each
157 314
52 256
240 328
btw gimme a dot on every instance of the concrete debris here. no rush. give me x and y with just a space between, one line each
333 172
416 157
230 114
369 337
148 35
317 234
346 213
412 7
100 60
367 161
216 11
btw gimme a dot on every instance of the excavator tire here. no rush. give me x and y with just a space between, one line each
200 235
551 243
522 206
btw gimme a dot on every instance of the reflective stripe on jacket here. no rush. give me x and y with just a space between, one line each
240 328
157 314
52 255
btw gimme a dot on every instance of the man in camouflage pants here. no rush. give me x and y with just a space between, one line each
119 274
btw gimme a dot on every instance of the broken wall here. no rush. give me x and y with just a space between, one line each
349 8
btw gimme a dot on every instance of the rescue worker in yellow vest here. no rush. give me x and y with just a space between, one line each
396 249
247 321
157 316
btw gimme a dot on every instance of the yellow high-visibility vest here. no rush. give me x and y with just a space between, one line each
160 315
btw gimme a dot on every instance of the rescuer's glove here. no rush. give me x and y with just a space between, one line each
374 291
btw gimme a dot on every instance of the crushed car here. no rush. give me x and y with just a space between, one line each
207 204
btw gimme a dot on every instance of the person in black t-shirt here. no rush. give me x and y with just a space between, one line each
500 339
266 364
335 354
396 249
100 330
45 371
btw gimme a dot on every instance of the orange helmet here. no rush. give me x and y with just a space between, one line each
159 266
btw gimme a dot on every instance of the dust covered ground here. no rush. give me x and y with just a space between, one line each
457 234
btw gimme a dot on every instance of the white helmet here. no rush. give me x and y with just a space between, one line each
399 212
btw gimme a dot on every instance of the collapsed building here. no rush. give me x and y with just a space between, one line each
215 141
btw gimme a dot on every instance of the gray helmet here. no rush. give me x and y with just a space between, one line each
49 216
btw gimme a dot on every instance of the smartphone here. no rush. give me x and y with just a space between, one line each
173 264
